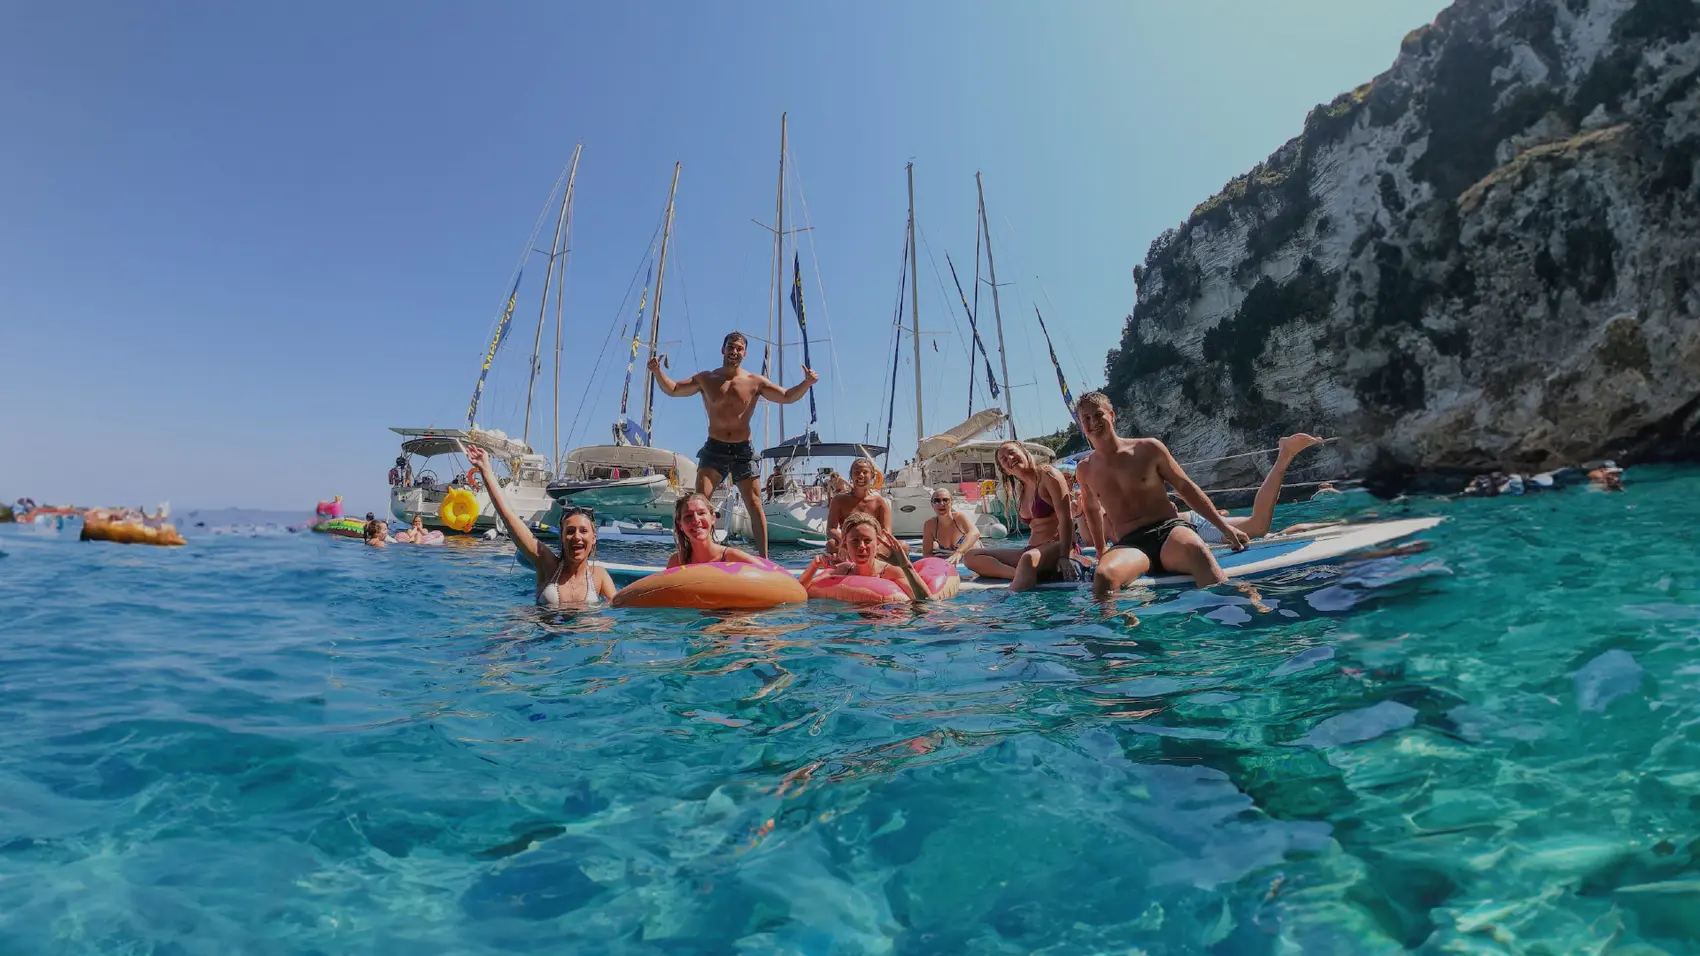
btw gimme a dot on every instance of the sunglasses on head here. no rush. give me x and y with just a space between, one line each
579 510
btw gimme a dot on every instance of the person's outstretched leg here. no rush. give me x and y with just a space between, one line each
1262 515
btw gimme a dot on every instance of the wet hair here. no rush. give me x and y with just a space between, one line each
679 514
1010 482
734 335
1096 398
590 555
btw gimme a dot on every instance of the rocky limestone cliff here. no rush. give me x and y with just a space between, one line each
1489 256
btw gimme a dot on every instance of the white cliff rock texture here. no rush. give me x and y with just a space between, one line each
1488 257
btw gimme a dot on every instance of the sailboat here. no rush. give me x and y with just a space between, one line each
795 511
419 492
953 457
630 479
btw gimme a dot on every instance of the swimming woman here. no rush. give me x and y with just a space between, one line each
948 529
571 577
863 538
1042 497
693 529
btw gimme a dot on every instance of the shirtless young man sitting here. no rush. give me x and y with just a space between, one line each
1125 477
729 394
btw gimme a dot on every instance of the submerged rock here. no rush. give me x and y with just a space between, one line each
1606 678
1487 257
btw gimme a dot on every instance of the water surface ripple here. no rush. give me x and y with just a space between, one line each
292 744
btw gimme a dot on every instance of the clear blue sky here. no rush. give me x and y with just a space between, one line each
238 241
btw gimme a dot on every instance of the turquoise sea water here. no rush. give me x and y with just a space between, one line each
294 744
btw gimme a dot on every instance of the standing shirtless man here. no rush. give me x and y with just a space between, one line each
1126 477
729 394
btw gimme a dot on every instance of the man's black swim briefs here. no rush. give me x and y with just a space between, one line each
1149 540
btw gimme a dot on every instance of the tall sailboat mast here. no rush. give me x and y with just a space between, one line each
776 315
560 290
992 268
915 312
655 315
543 304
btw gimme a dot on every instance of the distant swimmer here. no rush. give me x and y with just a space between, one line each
377 532
1324 490
1262 516
693 529
1041 494
859 498
729 394
1606 478
948 530
571 577
1122 484
415 533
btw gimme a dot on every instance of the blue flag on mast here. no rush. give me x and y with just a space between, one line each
1067 395
490 356
991 380
797 306
626 432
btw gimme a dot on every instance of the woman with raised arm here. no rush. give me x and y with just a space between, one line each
948 530
1042 497
571 577
693 529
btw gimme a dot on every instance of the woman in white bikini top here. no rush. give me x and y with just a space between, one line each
571 577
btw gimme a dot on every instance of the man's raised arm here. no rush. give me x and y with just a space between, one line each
795 393
689 386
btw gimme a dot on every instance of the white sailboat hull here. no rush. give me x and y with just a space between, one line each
911 507
791 519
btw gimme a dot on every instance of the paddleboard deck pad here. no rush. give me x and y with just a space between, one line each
1264 556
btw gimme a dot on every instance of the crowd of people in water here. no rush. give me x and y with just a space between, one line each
1117 503
1111 522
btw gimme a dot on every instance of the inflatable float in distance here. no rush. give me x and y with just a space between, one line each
431 537
720 585
459 510
129 532
342 527
941 578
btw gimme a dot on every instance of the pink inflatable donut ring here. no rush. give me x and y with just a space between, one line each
940 577
720 585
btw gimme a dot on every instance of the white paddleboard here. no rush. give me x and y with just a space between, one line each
1263 556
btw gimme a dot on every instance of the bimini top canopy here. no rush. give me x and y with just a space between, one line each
811 446
624 456
427 442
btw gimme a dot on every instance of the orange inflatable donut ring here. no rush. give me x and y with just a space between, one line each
720 585
941 578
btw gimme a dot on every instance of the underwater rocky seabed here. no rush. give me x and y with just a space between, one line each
1485 258
301 745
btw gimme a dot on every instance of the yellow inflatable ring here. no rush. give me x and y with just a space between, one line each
459 510
988 488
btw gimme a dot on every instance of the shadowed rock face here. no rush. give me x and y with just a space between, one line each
1489 256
